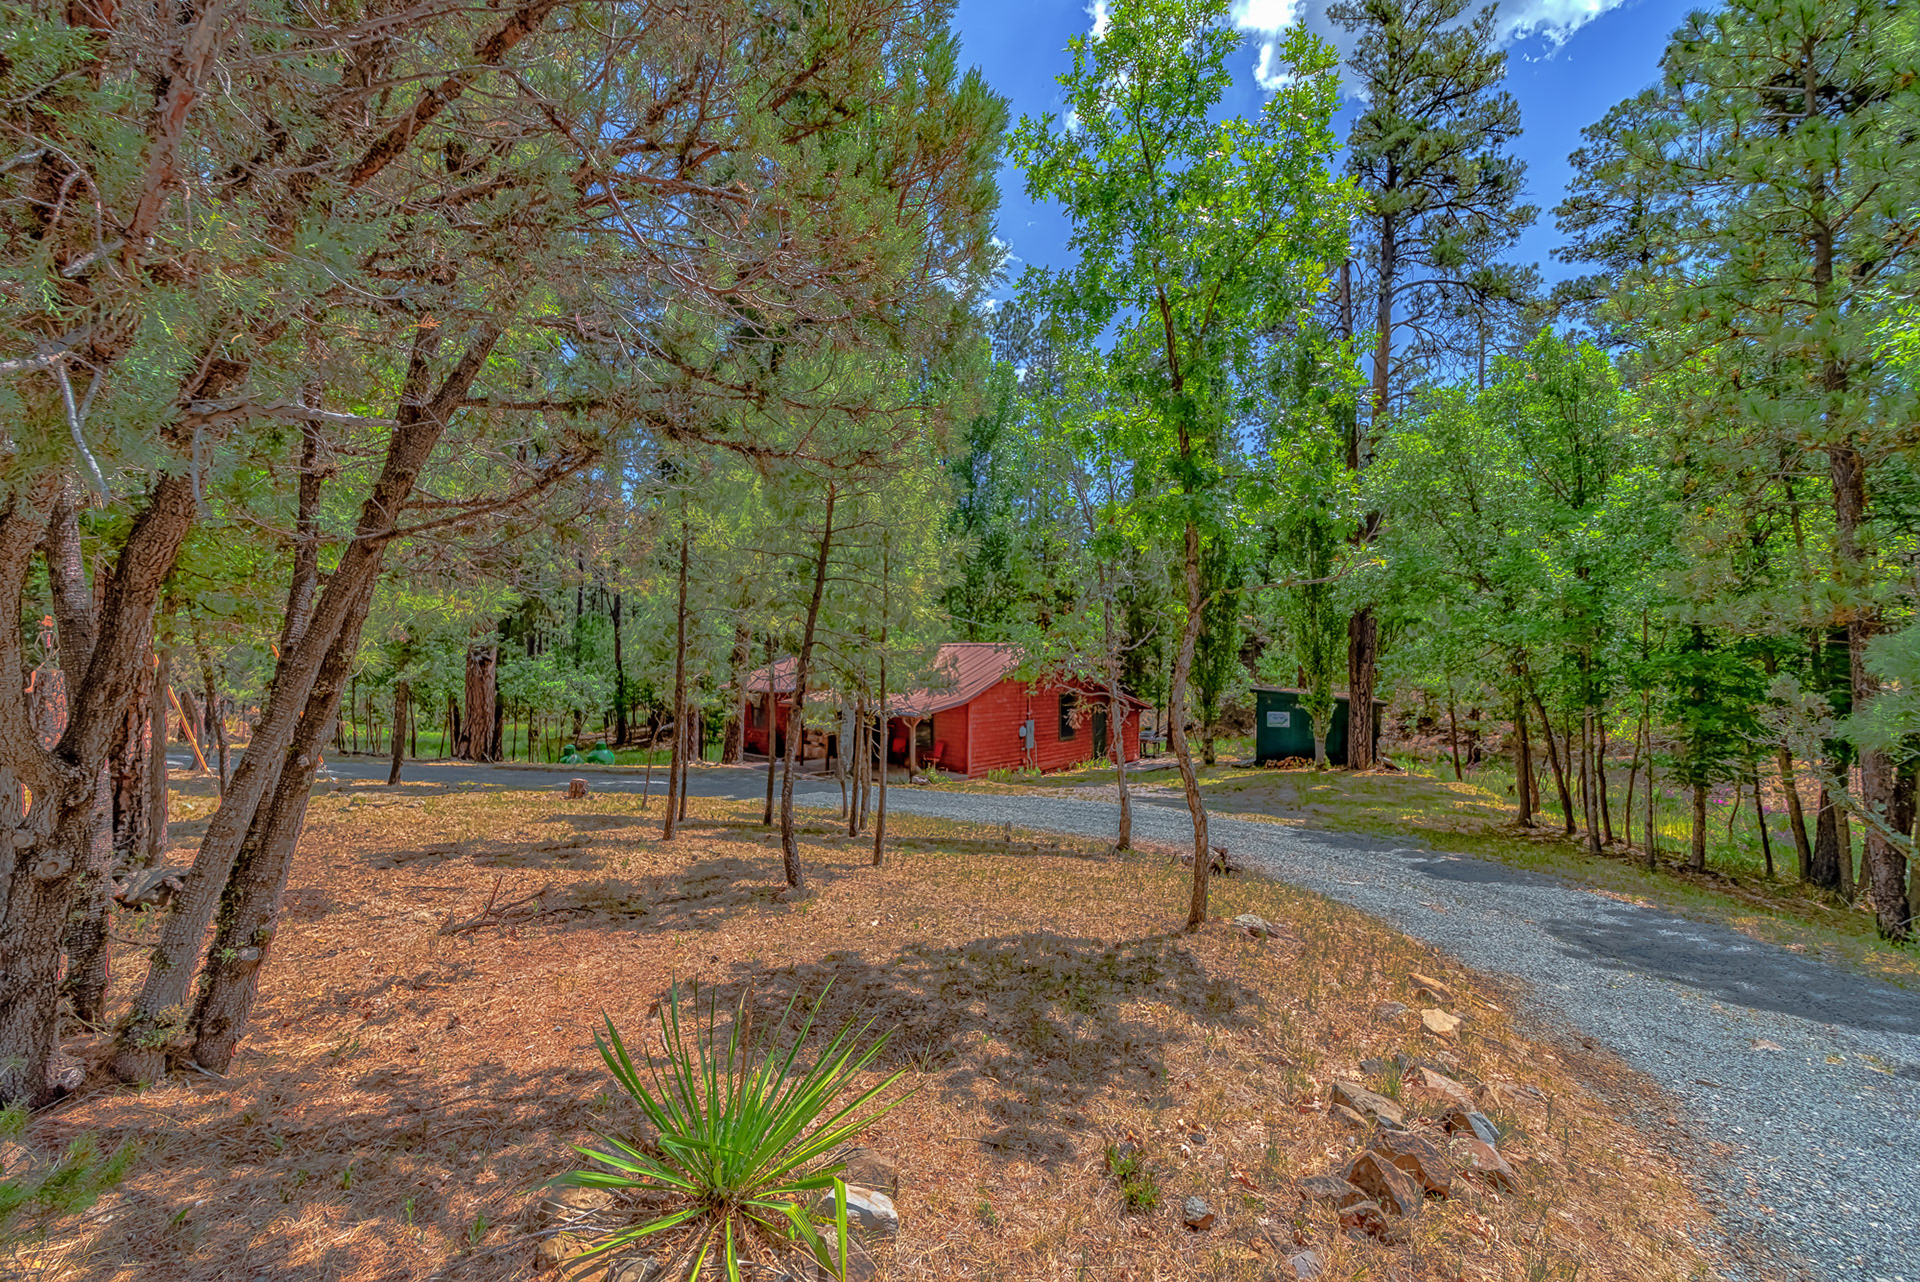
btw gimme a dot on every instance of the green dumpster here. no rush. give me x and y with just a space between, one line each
1282 729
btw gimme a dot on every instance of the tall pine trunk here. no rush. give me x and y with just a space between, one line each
1522 761
797 720
619 678
247 922
773 737
677 763
400 693
866 750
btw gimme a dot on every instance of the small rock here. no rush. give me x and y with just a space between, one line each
1446 1086
65 1073
1364 1218
1390 1010
1306 1264
1417 1158
1374 1067
1368 1104
641 1269
871 1210
1330 1188
150 887
1428 985
1196 1213
1484 1160
871 1170
557 1250
567 1205
1476 1124
1375 1175
1348 1118
1258 927
1440 1023
576 789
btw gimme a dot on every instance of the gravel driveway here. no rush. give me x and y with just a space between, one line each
1809 1075
1806 1077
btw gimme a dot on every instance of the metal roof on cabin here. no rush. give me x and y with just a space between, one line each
783 672
964 670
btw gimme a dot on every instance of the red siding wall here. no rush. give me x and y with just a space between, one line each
757 735
950 740
991 726
998 714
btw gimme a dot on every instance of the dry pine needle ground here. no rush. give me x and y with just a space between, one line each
403 1091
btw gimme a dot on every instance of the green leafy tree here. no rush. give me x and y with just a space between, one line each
1196 235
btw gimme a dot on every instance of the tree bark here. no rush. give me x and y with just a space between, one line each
419 422
734 750
157 828
1177 731
1453 731
62 854
482 699
1600 781
130 771
1363 645
1824 866
797 720
773 744
1796 818
1522 761
619 677
866 750
1760 820
1697 850
400 693
677 764
215 717
1589 781
1653 849
1553 760
248 918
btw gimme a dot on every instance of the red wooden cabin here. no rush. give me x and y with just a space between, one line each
973 719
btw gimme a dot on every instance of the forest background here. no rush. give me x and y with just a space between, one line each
489 382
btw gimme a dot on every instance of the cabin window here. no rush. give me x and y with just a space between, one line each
1069 707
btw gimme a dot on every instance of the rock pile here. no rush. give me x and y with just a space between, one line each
1407 1159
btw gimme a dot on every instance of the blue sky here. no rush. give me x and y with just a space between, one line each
1568 61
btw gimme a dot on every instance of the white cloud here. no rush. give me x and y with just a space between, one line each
1097 10
1551 20
1264 15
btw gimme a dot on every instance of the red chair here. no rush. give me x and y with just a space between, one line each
939 752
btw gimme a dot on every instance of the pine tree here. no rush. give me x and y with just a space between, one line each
1443 202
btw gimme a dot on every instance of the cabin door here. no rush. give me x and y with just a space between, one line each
1100 733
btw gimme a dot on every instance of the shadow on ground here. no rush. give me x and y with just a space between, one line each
1030 1026
1728 966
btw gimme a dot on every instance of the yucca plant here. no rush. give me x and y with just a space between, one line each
747 1137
